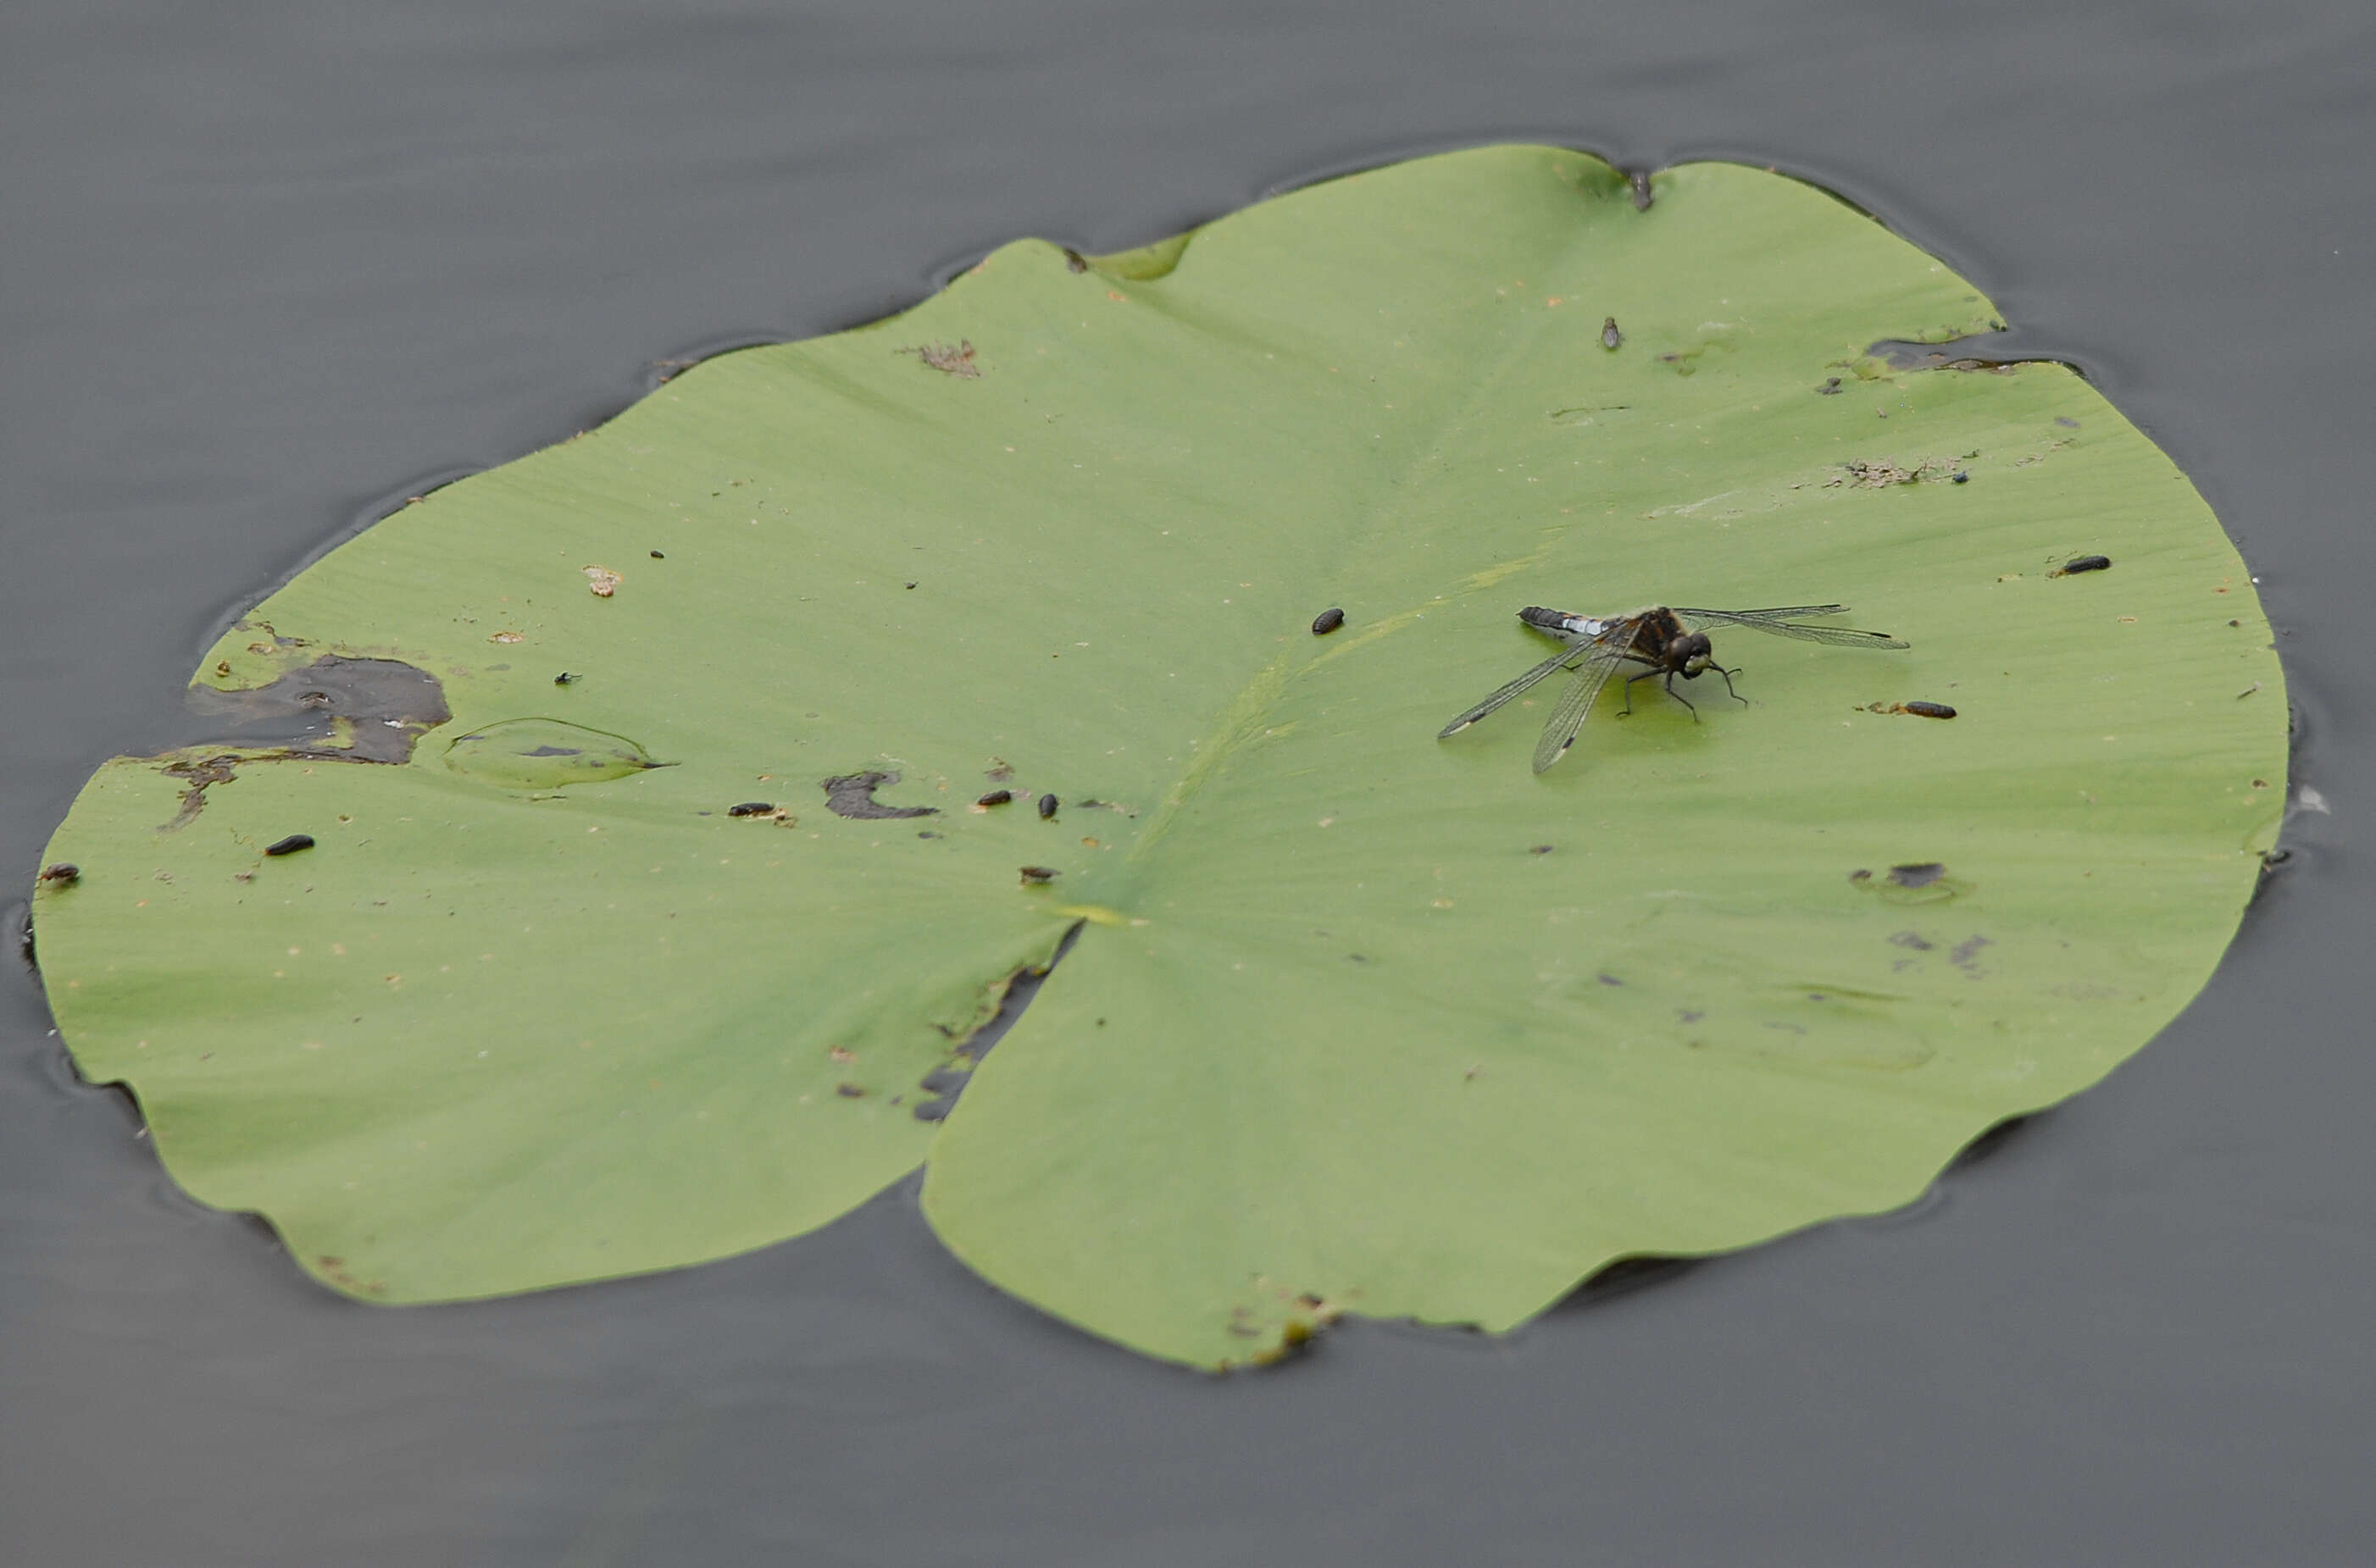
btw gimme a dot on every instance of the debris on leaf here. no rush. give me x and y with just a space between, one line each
602 580
65 873
996 798
1034 875
1874 476
949 360
289 845
2082 563
1326 622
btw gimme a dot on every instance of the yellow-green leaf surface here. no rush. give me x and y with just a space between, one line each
1357 1020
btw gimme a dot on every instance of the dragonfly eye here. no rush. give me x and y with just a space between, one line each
1693 653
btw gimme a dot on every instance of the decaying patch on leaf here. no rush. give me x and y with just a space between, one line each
602 581
852 795
335 709
948 359
198 774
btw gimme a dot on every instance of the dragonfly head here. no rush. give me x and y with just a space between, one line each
1690 653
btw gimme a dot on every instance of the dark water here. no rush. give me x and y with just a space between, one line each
265 268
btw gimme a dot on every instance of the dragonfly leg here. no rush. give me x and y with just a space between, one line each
1645 675
1679 698
1727 675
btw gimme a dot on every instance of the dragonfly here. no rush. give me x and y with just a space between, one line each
1659 640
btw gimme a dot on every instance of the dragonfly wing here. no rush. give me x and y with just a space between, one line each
1749 617
1773 621
1566 658
1575 706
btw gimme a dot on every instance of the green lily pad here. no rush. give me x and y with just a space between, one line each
1357 1020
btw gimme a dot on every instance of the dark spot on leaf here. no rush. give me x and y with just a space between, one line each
565 678
1611 338
850 1092
1964 952
1830 388
1640 180
1036 875
1326 622
1860 875
852 795
1927 709
65 873
1540 850
1959 477
927 834
554 751
1610 980
1075 260
996 798
1047 807
2083 563
750 808
949 1081
2066 422
658 556
1921 874
1688 1016
1910 939
289 845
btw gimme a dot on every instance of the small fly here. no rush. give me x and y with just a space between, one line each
1656 638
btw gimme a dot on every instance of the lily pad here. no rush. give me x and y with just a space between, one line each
1356 1019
